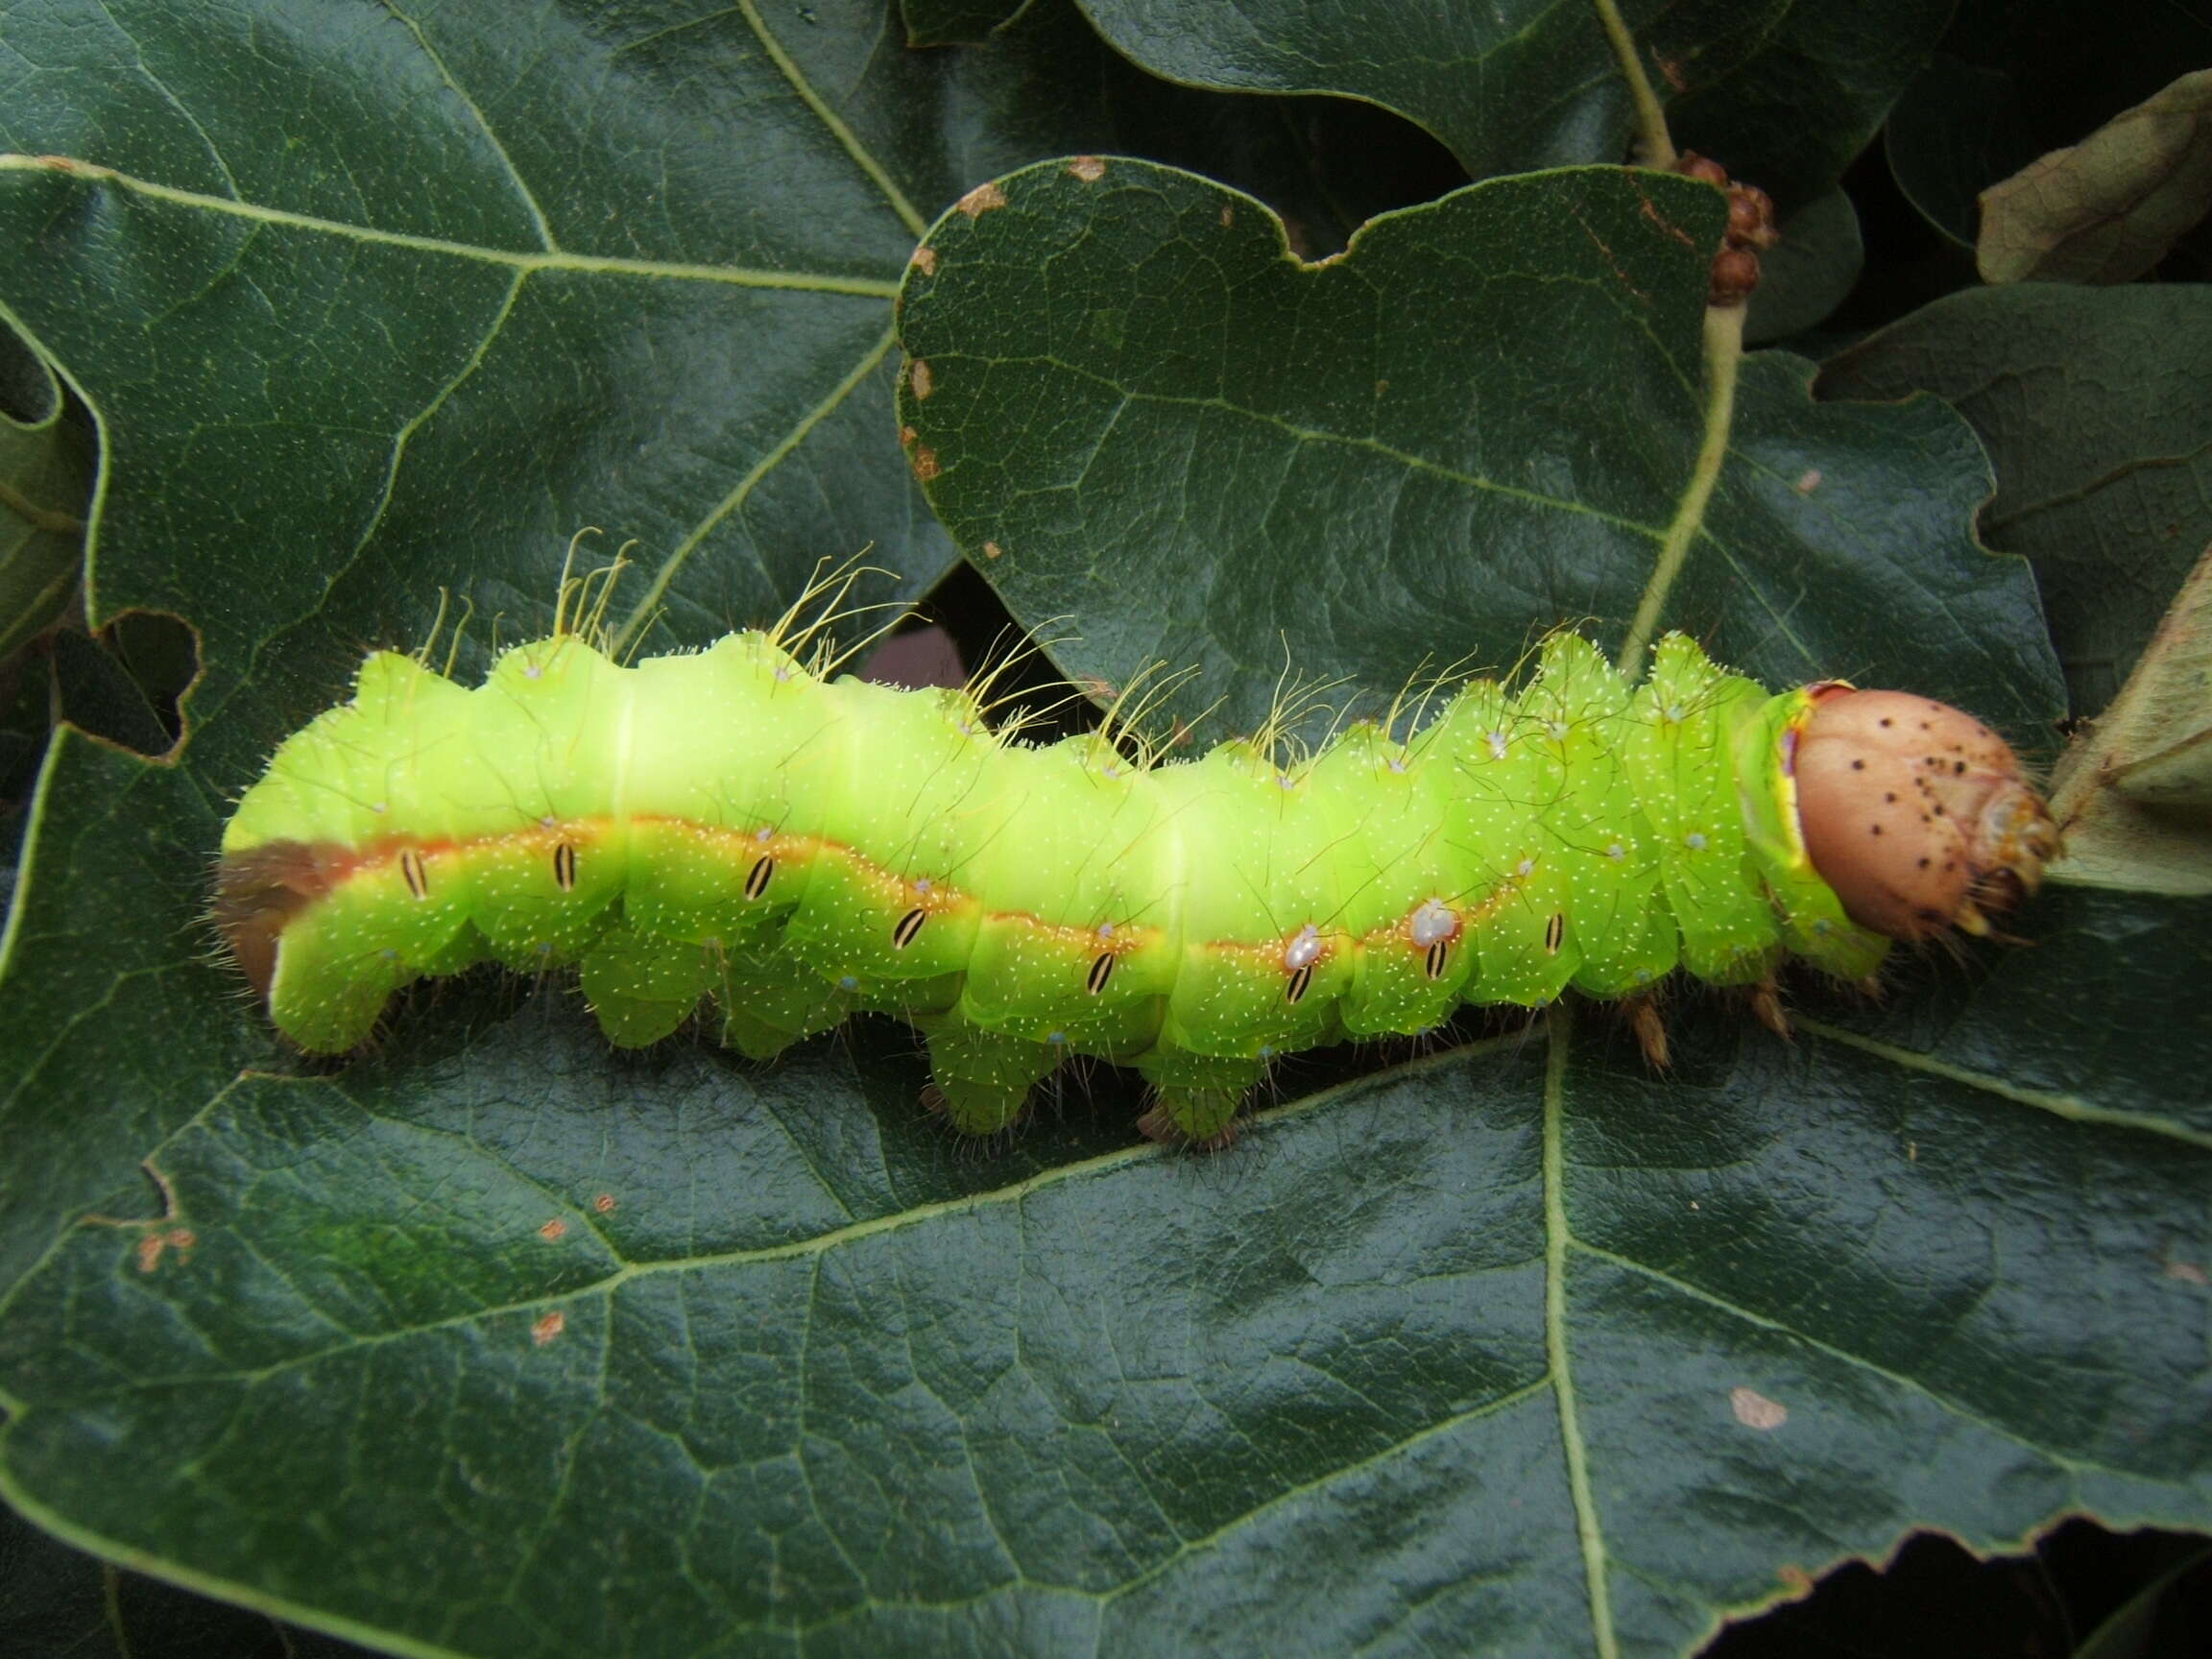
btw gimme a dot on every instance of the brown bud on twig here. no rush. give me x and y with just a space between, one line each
1751 217
1702 168
1750 230
1735 274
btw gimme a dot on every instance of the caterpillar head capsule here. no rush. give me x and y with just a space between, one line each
1918 815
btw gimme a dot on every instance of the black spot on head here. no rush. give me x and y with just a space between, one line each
1923 863
1888 722
1876 830
1957 768
1890 796
1857 766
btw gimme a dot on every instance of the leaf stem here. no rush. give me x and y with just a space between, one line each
1655 145
1723 356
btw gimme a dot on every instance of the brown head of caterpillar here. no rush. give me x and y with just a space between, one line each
1918 815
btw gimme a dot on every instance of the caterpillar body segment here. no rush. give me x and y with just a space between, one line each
726 829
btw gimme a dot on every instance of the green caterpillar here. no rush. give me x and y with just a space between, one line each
730 826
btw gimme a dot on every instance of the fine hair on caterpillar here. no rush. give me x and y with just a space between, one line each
742 831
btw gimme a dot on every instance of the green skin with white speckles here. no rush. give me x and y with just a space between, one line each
726 828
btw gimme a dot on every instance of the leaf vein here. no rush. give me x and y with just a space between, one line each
1373 445
2069 1107
483 124
2074 1467
850 140
524 260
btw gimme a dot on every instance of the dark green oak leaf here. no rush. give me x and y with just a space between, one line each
1806 274
2099 425
504 1349
1783 94
1132 406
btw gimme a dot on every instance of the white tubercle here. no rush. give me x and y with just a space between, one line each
1432 922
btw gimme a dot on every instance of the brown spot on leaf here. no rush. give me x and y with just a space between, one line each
151 1248
2188 1272
1088 168
925 466
1808 481
1754 1410
1228 216
925 261
553 1229
981 200
604 1204
992 550
545 1329
919 378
